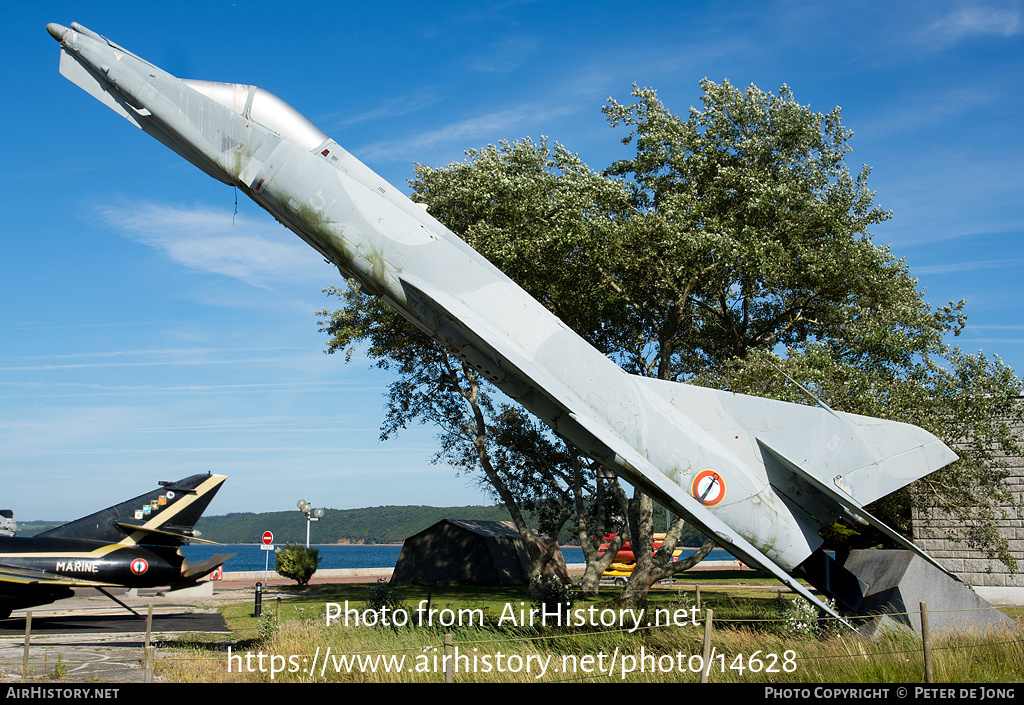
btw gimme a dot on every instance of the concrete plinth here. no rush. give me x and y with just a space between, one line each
899 581
201 589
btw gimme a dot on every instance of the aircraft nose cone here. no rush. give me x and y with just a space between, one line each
56 30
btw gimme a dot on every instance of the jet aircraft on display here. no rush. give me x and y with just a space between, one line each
760 477
134 544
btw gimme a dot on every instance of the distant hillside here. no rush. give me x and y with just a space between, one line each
31 528
370 525
389 524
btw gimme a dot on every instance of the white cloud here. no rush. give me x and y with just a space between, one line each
469 132
966 266
388 109
926 109
260 254
976 21
505 55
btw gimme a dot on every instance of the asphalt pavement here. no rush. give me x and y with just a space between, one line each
89 637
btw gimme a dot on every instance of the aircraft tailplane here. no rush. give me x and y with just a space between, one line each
191 572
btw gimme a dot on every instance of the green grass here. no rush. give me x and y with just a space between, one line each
751 642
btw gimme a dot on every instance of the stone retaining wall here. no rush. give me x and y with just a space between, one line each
931 531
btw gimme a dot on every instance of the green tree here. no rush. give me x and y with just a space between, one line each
791 287
732 250
432 386
297 563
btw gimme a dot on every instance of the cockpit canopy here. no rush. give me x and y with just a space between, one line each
265 108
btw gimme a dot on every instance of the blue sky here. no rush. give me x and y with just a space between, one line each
148 331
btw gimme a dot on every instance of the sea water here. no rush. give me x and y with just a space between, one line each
252 557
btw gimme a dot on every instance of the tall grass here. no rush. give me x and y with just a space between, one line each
755 640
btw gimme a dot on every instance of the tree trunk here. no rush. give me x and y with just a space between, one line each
538 558
649 568
591 536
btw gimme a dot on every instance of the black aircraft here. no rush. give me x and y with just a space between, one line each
134 544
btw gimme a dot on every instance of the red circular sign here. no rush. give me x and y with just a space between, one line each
140 566
268 538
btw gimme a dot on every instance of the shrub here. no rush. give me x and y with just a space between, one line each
384 599
267 627
799 617
297 563
552 595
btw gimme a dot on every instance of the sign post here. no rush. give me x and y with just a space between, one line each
268 546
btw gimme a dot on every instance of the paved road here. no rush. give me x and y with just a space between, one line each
114 624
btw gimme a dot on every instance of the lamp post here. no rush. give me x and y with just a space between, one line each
311 515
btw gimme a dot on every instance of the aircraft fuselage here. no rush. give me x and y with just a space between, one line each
129 566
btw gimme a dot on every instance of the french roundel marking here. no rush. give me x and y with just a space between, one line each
708 488
140 566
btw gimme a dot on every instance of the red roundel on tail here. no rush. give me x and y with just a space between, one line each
708 488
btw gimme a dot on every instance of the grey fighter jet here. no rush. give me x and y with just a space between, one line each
759 476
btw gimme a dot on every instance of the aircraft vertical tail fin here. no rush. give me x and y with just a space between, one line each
164 516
